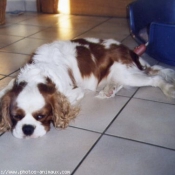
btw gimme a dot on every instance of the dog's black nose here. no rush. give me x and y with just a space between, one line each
28 129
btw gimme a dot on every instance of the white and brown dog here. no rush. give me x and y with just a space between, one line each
48 87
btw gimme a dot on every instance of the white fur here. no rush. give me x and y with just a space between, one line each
32 102
29 120
108 42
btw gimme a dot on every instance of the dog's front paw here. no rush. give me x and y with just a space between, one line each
108 92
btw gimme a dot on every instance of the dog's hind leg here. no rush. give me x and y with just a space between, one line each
139 79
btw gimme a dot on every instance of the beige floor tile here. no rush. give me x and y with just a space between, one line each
6 40
58 150
146 121
69 28
15 74
96 114
20 30
46 20
119 21
108 30
128 92
1 76
130 42
25 46
85 22
154 94
116 156
4 82
11 62
55 33
88 18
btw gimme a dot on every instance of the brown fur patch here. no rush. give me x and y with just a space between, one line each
5 121
85 62
72 77
122 54
62 111
16 113
44 115
7 104
30 61
81 41
48 87
94 58
103 60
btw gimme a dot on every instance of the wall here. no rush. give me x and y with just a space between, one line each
82 7
100 7
22 5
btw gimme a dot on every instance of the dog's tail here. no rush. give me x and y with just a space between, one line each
167 74
166 79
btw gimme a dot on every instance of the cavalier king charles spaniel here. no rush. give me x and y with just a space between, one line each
49 86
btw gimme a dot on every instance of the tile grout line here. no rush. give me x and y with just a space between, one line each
144 99
5 51
102 134
137 141
92 27
125 38
124 138
167 103
5 76
44 28
29 36
11 43
84 129
23 37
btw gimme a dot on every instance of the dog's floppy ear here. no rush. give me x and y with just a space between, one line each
5 121
7 95
63 112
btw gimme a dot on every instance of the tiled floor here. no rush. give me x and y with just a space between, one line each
131 134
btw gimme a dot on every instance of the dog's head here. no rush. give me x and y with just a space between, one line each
28 110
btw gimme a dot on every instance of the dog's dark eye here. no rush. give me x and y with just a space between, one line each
18 117
39 117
